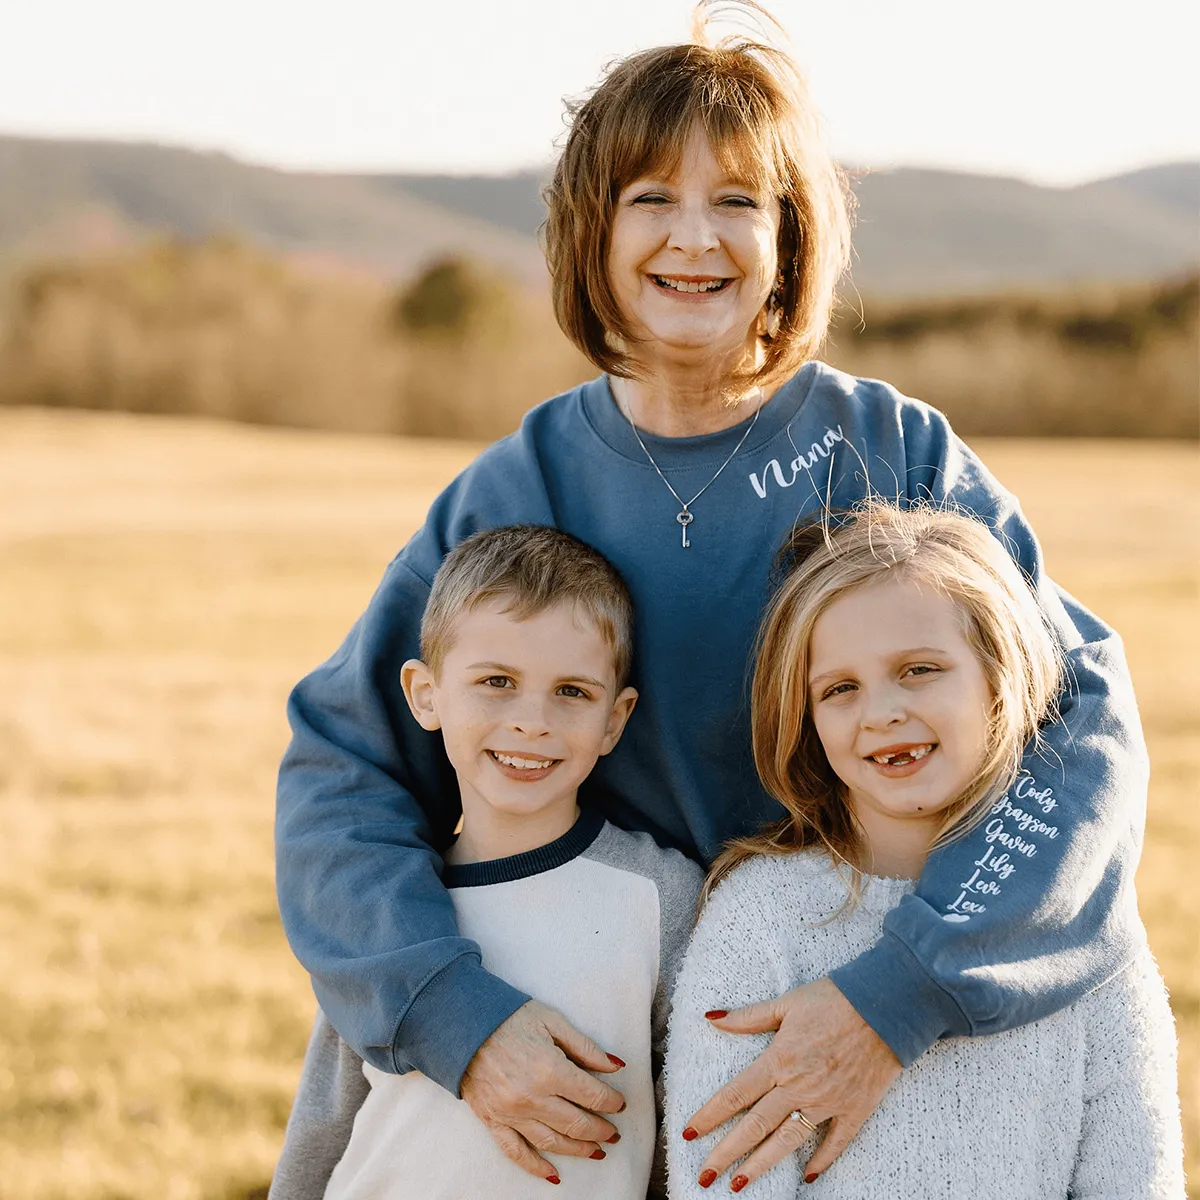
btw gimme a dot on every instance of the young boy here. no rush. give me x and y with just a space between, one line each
525 653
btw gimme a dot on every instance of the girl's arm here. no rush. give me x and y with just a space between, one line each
1033 909
331 1091
1132 1143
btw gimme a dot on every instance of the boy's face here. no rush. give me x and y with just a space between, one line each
525 708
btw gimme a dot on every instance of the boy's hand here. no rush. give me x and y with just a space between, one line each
824 1061
525 1086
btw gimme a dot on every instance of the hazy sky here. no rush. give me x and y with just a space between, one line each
1052 90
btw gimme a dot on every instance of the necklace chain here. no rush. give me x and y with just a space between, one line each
685 516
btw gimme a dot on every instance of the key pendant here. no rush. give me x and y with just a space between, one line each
685 519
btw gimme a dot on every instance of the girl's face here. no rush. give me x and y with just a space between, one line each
900 703
692 257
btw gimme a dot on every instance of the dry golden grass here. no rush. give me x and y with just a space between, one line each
163 581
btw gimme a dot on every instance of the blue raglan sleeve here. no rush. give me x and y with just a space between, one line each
1034 908
366 800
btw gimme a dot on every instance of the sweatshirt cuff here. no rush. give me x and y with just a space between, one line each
895 996
450 1018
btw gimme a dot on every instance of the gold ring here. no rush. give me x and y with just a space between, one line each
797 1115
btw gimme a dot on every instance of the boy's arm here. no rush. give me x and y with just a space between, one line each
1131 1143
331 1091
365 797
1032 909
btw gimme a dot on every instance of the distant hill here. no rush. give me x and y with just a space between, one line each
920 232
62 196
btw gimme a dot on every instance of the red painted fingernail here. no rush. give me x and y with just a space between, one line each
689 1134
553 1179
597 1154
811 1178
616 1062
717 1014
737 1183
706 1178
612 1141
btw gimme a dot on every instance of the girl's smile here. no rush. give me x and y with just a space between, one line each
901 706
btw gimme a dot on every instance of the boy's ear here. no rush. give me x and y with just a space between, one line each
622 707
418 683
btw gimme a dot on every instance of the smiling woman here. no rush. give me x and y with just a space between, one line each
696 230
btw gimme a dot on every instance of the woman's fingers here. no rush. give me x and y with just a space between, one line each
838 1136
740 1093
515 1147
787 1137
521 1079
765 1133
578 1047
754 1018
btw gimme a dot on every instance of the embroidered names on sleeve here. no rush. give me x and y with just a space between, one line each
1015 827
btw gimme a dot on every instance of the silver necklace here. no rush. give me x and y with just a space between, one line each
684 516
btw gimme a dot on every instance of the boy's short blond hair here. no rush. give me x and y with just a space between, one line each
531 568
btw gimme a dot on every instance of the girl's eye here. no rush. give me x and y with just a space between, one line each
838 689
922 669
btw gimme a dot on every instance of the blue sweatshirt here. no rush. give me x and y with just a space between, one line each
1008 924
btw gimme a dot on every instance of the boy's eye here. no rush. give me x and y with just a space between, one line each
498 681
572 692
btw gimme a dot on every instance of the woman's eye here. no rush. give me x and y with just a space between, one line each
740 202
650 199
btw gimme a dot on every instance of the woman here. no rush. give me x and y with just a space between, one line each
696 231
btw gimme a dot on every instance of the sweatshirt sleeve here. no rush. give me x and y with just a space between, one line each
366 799
332 1090
1132 1142
1033 908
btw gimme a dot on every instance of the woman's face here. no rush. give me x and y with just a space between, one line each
693 258
900 702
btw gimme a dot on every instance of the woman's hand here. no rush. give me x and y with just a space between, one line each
525 1086
824 1061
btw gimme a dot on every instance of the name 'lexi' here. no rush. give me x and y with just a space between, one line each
802 462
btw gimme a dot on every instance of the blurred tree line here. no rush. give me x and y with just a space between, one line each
223 329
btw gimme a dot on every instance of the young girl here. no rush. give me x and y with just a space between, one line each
903 666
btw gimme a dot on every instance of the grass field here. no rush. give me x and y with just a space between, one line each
163 581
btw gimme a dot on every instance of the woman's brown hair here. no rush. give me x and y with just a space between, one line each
752 102
947 553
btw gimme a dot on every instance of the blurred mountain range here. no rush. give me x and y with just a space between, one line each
919 232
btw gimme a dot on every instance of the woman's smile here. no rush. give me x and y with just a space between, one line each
693 257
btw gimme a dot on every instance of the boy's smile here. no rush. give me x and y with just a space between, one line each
525 708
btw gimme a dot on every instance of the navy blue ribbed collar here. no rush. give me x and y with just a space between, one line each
533 862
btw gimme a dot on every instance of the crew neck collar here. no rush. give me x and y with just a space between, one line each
532 862
610 423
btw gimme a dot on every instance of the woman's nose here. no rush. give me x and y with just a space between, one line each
693 231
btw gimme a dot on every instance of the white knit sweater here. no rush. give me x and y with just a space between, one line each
1081 1104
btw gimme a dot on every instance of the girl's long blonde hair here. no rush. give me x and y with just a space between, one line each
932 547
